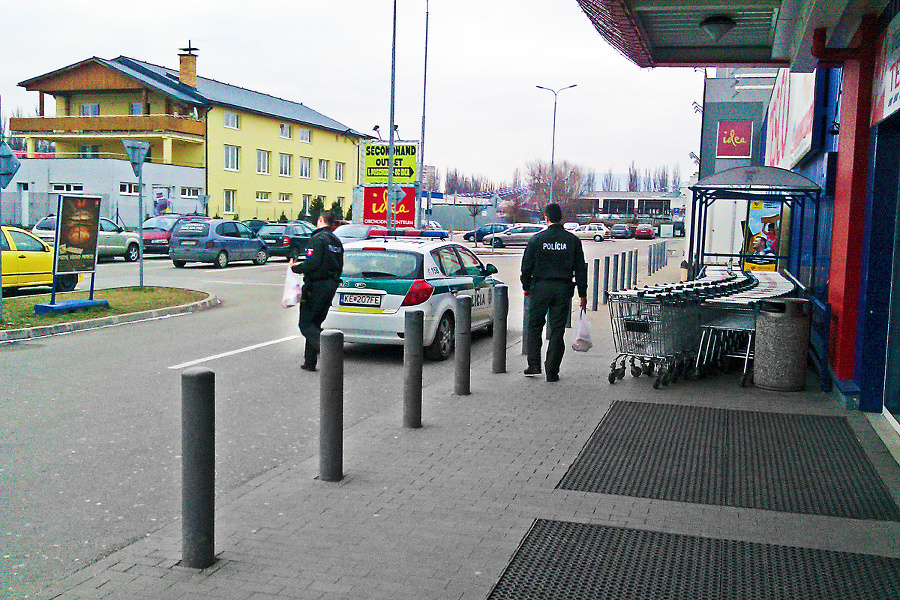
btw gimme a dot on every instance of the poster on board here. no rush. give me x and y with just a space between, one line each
77 233
764 235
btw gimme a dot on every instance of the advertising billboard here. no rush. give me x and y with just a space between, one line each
764 236
790 131
76 234
734 139
377 156
375 207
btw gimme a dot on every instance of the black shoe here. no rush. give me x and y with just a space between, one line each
307 367
552 377
533 371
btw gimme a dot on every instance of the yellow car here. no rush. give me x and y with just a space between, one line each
28 262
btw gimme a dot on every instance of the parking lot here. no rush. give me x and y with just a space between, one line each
92 429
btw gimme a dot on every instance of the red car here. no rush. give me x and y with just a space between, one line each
644 231
158 230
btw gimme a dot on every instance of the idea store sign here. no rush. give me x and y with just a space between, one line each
375 207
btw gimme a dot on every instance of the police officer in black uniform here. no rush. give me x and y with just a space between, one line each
321 277
552 259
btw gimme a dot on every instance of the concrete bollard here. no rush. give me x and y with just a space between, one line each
615 273
413 350
525 312
331 406
501 311
595 301
463 352
198 470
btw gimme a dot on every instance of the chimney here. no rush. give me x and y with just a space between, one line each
187 66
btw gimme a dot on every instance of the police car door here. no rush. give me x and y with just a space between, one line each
456 278
482 290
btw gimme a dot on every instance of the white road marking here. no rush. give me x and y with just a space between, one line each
239 282
233 352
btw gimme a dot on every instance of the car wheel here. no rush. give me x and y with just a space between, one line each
261 257
179 264
442 346
66 283
132 253
221 260
598 238
496 243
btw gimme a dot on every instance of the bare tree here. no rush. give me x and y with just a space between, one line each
676 178
634 178
569 186
609 183
661 179
648 180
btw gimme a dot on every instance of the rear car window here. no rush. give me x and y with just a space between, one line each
382 264
271 230
191 229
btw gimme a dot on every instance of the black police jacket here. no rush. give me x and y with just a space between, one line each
324 257
554 254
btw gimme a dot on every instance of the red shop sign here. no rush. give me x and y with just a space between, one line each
375 207
734 139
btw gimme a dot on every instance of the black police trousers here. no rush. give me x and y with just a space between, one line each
314 303
553 296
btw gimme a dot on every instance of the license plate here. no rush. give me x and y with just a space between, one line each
158 241
189 243
272 241
360 300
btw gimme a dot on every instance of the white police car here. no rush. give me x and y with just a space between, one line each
385 277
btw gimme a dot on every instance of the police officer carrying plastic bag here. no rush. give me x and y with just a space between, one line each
552 267
321 277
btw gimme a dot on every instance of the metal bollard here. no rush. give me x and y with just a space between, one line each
665 253
501 311
628 269
198 470
413 350
331 406
595 301
525 311
461 385
605 279
635 267
622 274
650 259
615 273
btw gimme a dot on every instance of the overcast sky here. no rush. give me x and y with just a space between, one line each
484 114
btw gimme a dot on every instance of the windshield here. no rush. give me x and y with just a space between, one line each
192 229
352 231
382 264
160 223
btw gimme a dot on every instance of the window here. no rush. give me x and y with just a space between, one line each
228 199
89 151
305 135
304 165
25 243
90 110
232 158
136 108
232 120
338 171
307 199
128 189
190 192
284 197
284 130
262 196
284 164
448 262
470 262
323 169
262 162
68 187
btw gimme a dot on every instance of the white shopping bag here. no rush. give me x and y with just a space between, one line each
293 286
582 330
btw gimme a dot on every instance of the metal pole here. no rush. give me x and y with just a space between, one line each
526 310
615 273
331 407
463 345
390 183
595 301
605 278
422 136
630 257
650 260
141 223
198 471
501 311
622 274
634 266
412 368
553 141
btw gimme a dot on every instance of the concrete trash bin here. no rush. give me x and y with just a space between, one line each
782 344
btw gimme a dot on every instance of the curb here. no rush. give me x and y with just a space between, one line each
13 335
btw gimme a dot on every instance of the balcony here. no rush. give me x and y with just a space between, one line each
112 124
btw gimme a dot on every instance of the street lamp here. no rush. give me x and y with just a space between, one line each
553 147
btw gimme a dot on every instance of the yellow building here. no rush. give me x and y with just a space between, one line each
262 156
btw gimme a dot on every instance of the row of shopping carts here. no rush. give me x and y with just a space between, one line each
659 330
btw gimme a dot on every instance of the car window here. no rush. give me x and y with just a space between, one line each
4 245
106 225
532 229
160 223
25 243
514 230
302 229
46 223
382 264
227 229
191 229
243 231
272 230
470 262
448 262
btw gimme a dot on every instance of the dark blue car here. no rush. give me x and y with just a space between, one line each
476 235
215 241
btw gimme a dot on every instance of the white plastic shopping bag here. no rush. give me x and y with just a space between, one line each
293 286
582 331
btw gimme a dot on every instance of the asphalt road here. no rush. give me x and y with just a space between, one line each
90 434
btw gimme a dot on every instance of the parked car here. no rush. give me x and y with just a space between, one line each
517 235
571 226
351 232
592 231
621 231
216 241
112 240
287 239
337 223
644 231
158 230
477 235
431 225
28 262
384 278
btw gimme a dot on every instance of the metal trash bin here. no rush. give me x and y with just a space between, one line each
782 344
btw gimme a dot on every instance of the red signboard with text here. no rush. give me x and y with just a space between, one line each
375 207
734 139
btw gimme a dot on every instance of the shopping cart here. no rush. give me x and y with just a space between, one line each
657 333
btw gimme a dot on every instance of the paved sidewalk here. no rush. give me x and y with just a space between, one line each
439 512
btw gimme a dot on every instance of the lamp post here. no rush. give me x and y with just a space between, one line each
553 146
390 183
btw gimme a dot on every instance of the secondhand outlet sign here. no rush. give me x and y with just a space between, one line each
378 157
375 205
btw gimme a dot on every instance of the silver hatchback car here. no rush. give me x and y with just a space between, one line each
518 235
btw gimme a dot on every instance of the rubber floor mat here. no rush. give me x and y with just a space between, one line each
770 461
560 560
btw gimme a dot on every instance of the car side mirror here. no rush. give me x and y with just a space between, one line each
490 269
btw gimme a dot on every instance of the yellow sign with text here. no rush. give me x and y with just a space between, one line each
377 157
